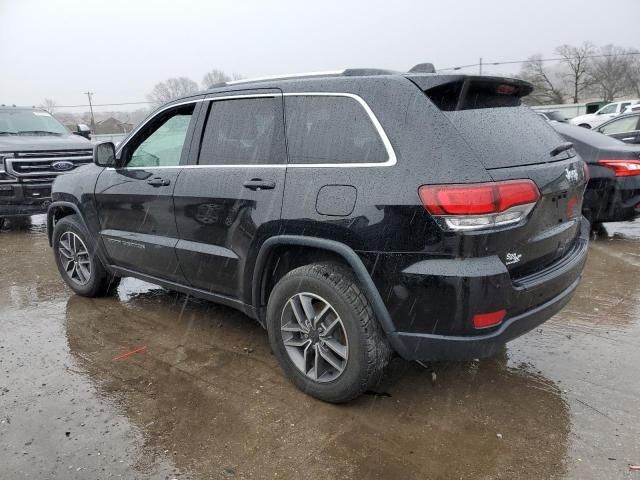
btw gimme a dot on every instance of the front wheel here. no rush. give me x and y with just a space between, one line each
324 333
77 263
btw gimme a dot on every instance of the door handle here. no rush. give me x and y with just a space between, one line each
259 184
159 182
628 139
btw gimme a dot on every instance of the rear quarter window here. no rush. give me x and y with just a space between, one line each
328 129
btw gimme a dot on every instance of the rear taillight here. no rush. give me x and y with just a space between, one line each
622 168
479 205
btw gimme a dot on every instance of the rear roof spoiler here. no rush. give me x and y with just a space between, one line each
429 81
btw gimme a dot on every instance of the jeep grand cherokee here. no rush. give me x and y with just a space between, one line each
354 214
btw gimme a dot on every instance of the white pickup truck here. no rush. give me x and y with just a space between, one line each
593 120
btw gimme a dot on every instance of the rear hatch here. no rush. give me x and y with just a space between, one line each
513 142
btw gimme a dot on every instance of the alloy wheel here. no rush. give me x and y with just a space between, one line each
74 258
314 337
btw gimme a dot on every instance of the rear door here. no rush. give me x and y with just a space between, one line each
626 128
134 201
230 198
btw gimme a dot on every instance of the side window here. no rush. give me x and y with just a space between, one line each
160 142
327 129
244 132
611 108
627 124
624 105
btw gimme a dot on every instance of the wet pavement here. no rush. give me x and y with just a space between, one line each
205 398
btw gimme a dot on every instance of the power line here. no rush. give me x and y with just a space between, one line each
557 59
102 104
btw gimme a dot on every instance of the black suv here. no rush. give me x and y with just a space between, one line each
354 214
34 149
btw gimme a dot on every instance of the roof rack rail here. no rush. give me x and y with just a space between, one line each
327 73
347 72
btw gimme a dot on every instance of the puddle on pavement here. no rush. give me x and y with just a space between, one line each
206 399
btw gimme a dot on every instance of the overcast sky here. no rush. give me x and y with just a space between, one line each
120 49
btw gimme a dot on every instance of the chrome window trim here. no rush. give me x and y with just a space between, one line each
391 155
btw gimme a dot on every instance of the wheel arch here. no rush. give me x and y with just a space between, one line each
60 209
336 250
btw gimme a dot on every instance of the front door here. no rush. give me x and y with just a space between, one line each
134 200
232 196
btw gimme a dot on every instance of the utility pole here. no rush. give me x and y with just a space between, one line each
480 66
93 120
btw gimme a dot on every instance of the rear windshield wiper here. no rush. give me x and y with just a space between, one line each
8 133
561 148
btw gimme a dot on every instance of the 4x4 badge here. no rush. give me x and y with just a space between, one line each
572 175
513 258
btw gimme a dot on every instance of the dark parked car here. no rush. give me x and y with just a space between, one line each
613 192
625 128
34 149
354 215
552 115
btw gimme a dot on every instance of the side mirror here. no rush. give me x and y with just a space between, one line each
104 154
83 131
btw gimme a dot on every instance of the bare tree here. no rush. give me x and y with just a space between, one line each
49 105
633 75
576 61
218 76
170 89
610 71
546 81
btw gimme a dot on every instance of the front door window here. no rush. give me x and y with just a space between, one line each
161 142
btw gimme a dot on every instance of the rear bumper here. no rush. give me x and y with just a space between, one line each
19 199
612 199
441 297
440 347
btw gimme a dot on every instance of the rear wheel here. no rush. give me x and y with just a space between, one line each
77 263
584 125
324 333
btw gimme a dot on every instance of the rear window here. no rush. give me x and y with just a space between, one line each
471 94
488 115
244 132
327 129
557 116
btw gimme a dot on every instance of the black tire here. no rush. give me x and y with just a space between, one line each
585 125
98 282
2 221
368 350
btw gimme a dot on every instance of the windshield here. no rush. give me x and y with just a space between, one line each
29 122
611 108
